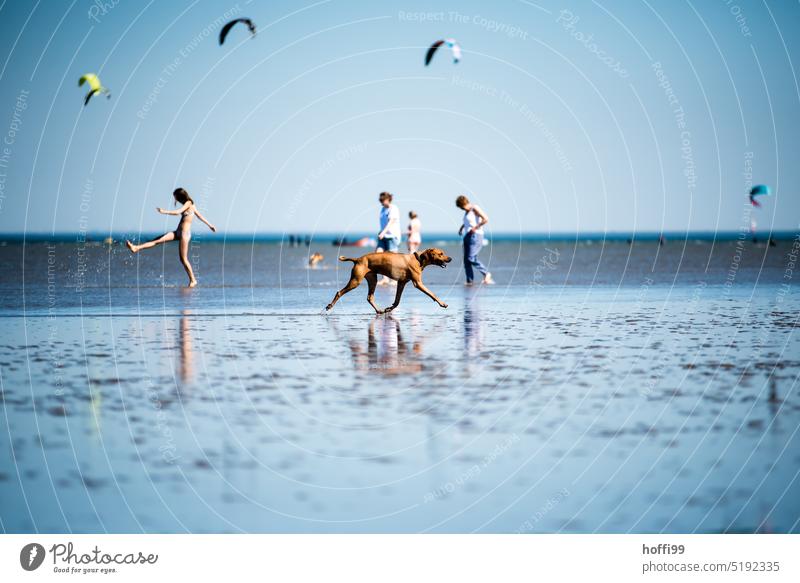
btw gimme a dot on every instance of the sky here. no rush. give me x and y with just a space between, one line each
562 117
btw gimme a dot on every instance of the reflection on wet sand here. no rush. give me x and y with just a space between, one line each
691 430
186 360
96 407
474 331
387 351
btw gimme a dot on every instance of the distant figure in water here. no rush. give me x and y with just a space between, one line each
315 259
414 232
472 231
183 234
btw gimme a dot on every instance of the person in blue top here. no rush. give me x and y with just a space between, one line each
389 235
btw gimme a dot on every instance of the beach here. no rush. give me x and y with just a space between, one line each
598 387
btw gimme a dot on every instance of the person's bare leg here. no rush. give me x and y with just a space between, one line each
400 285
183 252
165 238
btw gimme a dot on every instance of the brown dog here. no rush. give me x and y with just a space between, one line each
403 268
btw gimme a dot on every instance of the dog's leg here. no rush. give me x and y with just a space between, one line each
372 281
355 280
400 285
421 287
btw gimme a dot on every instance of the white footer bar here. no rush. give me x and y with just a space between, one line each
401 558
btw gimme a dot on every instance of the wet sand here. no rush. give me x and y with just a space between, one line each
541 406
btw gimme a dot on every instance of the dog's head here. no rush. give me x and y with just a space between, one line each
433 256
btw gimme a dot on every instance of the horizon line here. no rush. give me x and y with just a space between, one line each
329 236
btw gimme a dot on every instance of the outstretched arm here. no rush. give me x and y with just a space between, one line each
175 212
202 218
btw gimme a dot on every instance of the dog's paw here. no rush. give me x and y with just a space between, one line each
328 307
443 305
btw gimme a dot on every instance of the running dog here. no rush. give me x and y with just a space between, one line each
402 268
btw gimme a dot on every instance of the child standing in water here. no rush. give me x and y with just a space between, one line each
414 232
183 234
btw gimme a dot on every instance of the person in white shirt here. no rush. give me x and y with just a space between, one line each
472 231
414 232
389 236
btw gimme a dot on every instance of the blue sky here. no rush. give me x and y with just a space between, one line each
561 117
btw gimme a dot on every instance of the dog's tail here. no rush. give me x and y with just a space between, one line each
343 258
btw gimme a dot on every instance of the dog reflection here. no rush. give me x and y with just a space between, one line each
386 352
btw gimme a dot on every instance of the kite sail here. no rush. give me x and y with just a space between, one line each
227 28
759 190
451 44
95 87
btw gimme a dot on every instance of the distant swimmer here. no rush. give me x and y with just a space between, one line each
315 259
472 231
414 232
183 234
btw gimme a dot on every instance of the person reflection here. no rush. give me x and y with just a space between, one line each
473 334
186 359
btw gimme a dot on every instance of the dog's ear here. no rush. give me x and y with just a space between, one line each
417 256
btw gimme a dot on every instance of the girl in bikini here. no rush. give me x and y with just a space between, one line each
183 234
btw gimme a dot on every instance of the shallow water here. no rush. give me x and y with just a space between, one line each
598 388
